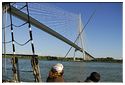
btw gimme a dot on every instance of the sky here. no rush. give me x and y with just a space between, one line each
102 36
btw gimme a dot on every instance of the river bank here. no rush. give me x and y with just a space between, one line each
108 59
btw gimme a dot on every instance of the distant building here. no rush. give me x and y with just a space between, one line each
88 56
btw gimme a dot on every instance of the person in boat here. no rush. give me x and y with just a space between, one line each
56 73
94 77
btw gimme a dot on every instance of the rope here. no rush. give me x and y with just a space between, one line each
6 26
23 43
34 60
15 66
17 42
15 25
22 7
81 32
20 25
13 4
12 30
7 42
30 31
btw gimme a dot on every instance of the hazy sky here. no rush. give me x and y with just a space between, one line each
102 36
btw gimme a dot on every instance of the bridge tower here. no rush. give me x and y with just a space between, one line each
80 39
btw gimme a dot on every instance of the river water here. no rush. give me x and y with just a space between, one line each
73 71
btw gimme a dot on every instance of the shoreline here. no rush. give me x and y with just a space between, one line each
68 59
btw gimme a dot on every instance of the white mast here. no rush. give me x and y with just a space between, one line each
80 27
80 39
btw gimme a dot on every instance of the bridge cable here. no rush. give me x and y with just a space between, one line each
81 32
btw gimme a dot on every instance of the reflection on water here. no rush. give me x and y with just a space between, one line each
73 71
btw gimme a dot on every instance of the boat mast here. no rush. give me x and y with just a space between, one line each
4 18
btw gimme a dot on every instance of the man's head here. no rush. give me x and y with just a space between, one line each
95 77
58 68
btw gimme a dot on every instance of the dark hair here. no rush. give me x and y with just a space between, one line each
95 77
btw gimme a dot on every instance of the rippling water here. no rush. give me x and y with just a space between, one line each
73 71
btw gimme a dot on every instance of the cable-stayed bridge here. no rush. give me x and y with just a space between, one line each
51 19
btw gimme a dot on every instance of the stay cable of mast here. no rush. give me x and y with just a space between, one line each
23 16
81 32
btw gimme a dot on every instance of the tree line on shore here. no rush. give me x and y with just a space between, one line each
107 59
